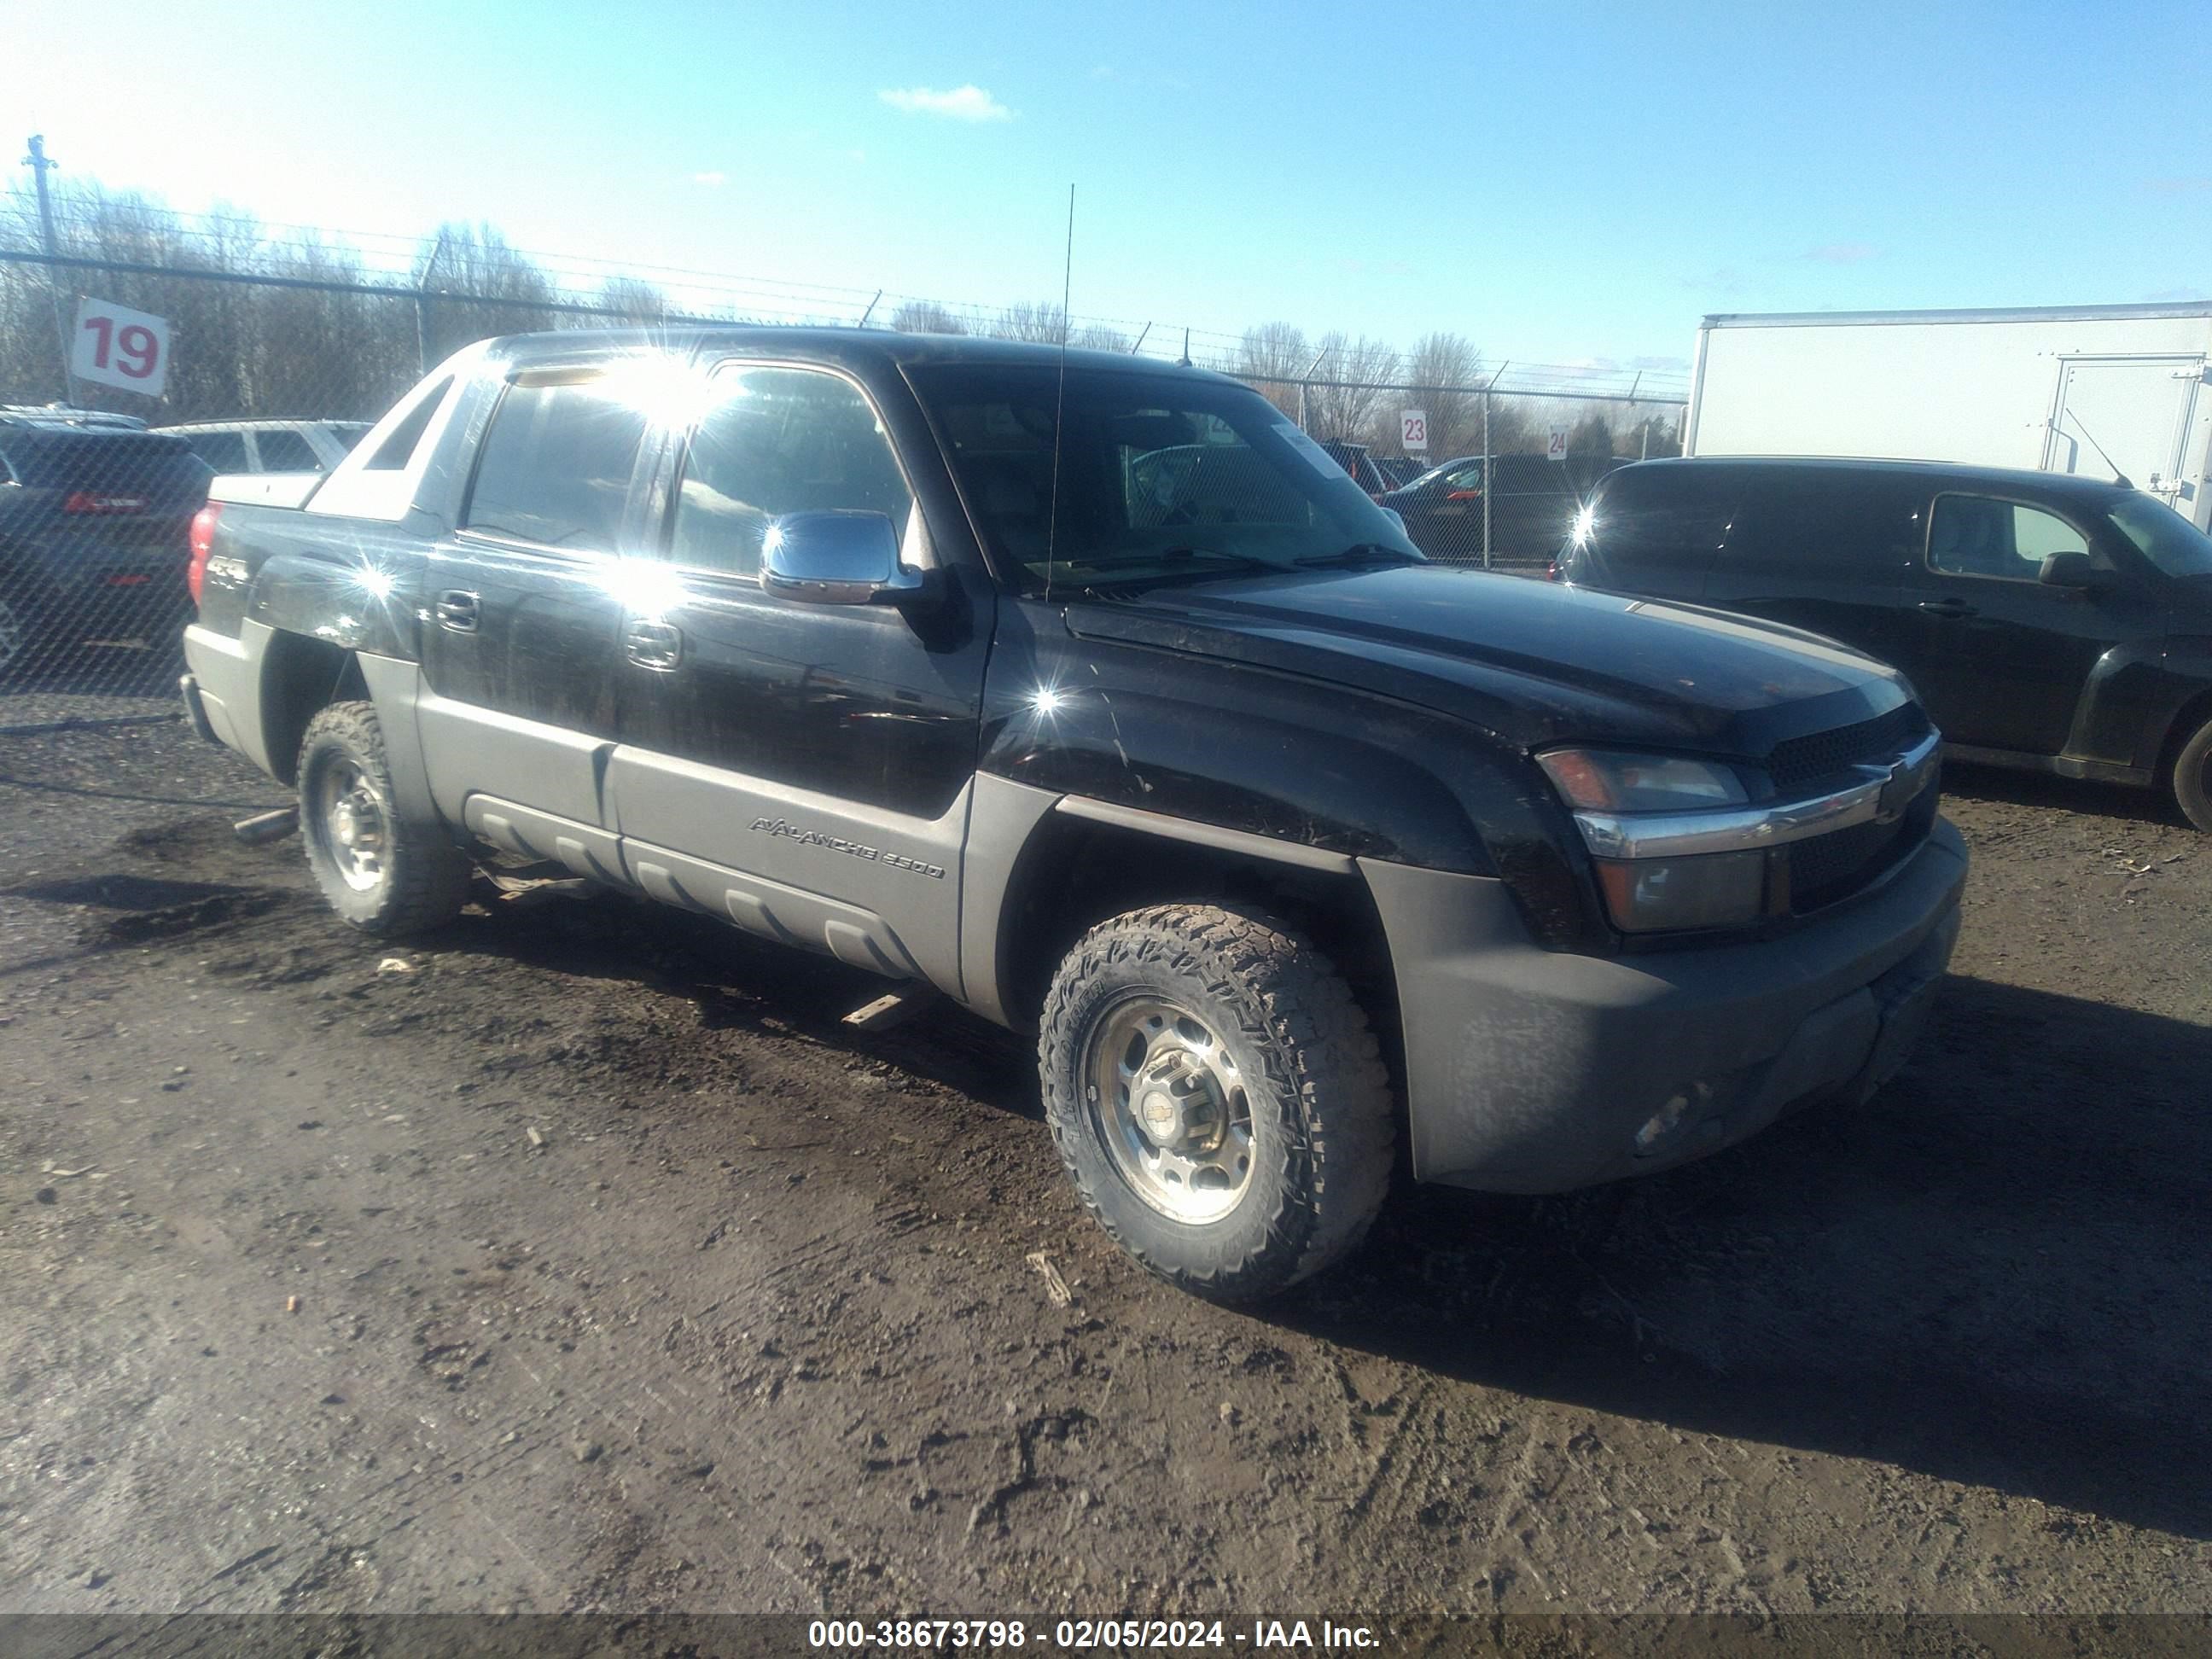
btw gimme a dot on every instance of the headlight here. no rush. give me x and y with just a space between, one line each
1607 781
1663 894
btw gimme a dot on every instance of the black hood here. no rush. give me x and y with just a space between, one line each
1530 661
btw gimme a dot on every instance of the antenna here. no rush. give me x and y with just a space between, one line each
2119 476
1060 401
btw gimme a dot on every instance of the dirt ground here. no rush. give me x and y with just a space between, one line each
627 1277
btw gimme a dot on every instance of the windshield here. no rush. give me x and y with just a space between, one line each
1161 477
2169 541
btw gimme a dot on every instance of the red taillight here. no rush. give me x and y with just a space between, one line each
83 501
204 524
1463 494
1552 571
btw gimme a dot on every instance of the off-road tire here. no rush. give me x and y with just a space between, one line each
2192 778
1323 1121
425 880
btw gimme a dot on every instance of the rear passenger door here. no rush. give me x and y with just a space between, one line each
801 768
522 605
1829 554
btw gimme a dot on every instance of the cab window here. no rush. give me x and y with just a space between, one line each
777 441
2009 541
555 466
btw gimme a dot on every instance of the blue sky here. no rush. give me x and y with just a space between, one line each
1560 182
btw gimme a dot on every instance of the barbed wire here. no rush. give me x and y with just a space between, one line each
716 295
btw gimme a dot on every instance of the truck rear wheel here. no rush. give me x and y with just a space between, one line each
1218 1097
382 873
2193 777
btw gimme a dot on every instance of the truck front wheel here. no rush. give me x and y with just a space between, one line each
1217 1096
382 873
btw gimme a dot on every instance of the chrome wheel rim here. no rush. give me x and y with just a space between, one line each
1169 1103
356 825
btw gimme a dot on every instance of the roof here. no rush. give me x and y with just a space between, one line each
60 417
1972 314
848 346
1953 472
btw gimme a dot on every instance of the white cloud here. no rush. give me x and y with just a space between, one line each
709 178
967 103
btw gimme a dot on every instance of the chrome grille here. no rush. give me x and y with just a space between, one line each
1825 868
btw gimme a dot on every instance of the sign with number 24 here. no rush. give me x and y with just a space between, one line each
119 347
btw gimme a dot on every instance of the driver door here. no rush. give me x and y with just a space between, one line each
801 768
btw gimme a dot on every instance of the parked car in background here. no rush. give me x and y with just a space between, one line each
2054 623
1355 460
94 516
231 447
1088 691
1532 512
1399 470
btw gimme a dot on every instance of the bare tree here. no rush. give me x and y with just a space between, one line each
926 317
485 287
322 353
1351 380
1044 323
1272 356
633 301
1448 371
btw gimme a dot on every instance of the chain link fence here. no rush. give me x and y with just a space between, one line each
280 370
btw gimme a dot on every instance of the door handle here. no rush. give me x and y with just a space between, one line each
655 645
459 611
1947 608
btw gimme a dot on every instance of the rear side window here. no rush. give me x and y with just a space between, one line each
161 469
780 440
1984 536
223 450
398 446
555 466
1642 520
1823 529
286 451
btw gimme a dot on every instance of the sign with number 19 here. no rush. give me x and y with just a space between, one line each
116 346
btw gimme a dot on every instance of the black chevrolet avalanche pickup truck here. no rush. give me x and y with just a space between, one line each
1091 693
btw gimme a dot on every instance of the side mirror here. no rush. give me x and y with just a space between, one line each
834 557
2074 570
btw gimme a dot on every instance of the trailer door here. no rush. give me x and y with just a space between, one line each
2137 409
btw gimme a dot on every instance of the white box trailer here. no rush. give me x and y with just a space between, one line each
2054 389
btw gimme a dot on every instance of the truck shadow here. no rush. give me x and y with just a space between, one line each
1996 1273
2079 797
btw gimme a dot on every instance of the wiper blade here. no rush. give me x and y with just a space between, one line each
1147 572
1360 554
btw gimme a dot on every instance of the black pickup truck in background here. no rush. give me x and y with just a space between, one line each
95 511
1092 694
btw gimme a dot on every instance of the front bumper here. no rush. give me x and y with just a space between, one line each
1530 1071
